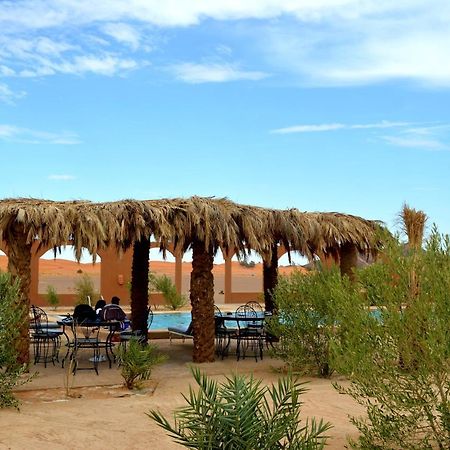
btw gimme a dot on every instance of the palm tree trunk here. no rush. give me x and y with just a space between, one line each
139 284
19 265
270 279
202 301
348 259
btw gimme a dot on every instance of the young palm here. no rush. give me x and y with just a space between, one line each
240 414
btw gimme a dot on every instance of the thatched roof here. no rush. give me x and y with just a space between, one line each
219 223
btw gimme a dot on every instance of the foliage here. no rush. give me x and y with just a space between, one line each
84 289
247 264
306 320
137 361
163 284
52 296
241 414
12 312
398 359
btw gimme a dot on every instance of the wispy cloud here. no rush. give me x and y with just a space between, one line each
123 33
213 73
402 134
62 177
12 133
319 42
338 126
8 96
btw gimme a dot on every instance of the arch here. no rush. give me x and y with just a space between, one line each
62 271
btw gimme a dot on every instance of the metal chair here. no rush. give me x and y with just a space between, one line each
85 337
45 337
141 335
256 306
250 334
223 334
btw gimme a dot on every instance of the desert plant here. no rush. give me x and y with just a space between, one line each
163 284
11 314
398 359
137 361
306 319
241 414
52 296
85 289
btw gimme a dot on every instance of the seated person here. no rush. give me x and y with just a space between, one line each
83 313
113 311
99 308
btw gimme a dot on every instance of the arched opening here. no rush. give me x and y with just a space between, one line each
296 263
3 261
219 278
247 279
159 267
64 274
187 268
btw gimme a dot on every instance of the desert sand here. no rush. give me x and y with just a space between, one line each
62 273
102 414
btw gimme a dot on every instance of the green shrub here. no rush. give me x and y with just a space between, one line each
163 284
137 361
52 296
84 289
11 317
241 414
398 361
306 320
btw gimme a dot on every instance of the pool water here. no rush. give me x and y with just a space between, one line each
161 321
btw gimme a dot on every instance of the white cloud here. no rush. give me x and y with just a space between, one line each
12 133
319 42
415 142
213 73
62 177
338 126
123 33
8 96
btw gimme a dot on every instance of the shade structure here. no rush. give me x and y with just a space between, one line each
204 225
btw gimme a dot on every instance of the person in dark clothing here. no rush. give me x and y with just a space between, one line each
99 308
113 311
83 313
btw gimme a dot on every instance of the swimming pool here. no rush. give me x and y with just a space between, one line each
161 321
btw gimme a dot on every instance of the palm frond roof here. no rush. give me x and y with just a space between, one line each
218 222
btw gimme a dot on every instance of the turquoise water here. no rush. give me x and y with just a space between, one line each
161 321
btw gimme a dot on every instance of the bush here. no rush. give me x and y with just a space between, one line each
241 414
398 361
84 288
137 362
164 284
11 318
52 296
306 320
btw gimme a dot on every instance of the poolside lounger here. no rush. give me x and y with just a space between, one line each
183 334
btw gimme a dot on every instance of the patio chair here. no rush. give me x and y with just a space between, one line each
256 306
183 334
223 334
45 337
250 334
85 337
140 335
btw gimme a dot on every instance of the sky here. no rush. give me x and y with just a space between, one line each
320 105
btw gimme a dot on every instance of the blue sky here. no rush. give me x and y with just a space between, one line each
330 105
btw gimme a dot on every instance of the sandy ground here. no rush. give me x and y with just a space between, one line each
102 414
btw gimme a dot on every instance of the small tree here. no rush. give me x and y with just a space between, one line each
398 359
11 313
52 296
84 288
241 414
164 284
306 320
137 361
